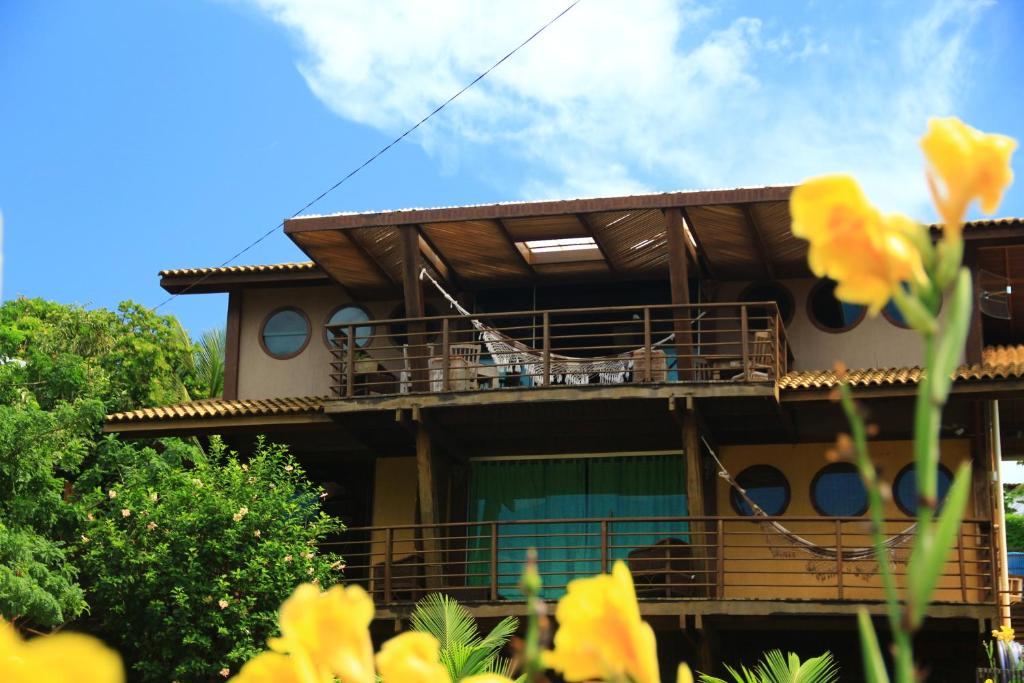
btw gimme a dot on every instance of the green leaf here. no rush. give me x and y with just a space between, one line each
951 345
874 665
933 545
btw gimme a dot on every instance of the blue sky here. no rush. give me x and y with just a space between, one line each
136 136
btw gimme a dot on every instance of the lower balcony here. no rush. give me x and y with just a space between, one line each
727 564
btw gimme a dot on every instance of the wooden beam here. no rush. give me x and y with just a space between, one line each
232 344
512 245
598 240
412 288
370 258
757 236
453 275
679 284
702 253
975 336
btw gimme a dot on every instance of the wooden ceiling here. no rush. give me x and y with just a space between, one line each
737 234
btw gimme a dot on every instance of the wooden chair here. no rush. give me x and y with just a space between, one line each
762 359
659 365
405 374
470 353
665 569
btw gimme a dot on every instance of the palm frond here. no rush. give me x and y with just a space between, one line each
209 362
775 667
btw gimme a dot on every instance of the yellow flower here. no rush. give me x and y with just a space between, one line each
1004 633
969 164
868 255
270 667
412 657
486 678
329 632
600 634
683 674
60 658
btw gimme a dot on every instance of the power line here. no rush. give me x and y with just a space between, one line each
373 158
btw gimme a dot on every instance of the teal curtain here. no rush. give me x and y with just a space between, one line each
557 489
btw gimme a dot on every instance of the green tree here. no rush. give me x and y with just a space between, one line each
187 558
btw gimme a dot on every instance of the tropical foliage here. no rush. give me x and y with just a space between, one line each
776 667
206 545
463 651
209 364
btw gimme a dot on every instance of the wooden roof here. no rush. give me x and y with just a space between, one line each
737 232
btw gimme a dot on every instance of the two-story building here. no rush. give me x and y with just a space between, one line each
574 376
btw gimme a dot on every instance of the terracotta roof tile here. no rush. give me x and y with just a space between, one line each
299 266
997 363
218 407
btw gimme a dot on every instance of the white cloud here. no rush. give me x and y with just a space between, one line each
622 96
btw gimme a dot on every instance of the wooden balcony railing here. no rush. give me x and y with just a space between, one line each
683 558
698 343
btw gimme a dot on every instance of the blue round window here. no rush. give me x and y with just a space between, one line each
837 491
285 333
349 315
904 489
766 486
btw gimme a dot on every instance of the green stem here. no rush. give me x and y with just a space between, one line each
904 653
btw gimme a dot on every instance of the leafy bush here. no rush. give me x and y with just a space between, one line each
187 559
1015 532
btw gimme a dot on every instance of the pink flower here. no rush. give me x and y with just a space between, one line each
151 526
225 672
112 494
223 603
125 512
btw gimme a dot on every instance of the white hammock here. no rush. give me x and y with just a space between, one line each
516 356
801 543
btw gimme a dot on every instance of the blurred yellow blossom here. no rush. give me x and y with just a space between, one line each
412 657
969 165
601 635
271 667
486 678
868 255
329 632
1003 633
59 658
683 674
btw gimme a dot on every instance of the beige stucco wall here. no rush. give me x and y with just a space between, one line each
754 570
873 343
261 376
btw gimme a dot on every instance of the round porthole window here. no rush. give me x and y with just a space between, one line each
285 333
347 315
766 486
904 489
759 316
837 491
830 314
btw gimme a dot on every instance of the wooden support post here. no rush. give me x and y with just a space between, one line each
679 284
350 362
426 488
412 288
839 558
975 341
232 344
695 494
648 355
546 332
446 356
744 342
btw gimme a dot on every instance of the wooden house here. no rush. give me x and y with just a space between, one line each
574 376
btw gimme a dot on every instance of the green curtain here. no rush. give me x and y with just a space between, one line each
583 488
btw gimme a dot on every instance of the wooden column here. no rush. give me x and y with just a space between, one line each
232 338
426 488
972 352
703 534
995 454
412 288
679 283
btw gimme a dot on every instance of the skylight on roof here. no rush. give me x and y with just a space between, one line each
564 244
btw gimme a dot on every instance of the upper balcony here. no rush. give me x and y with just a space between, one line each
716 348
